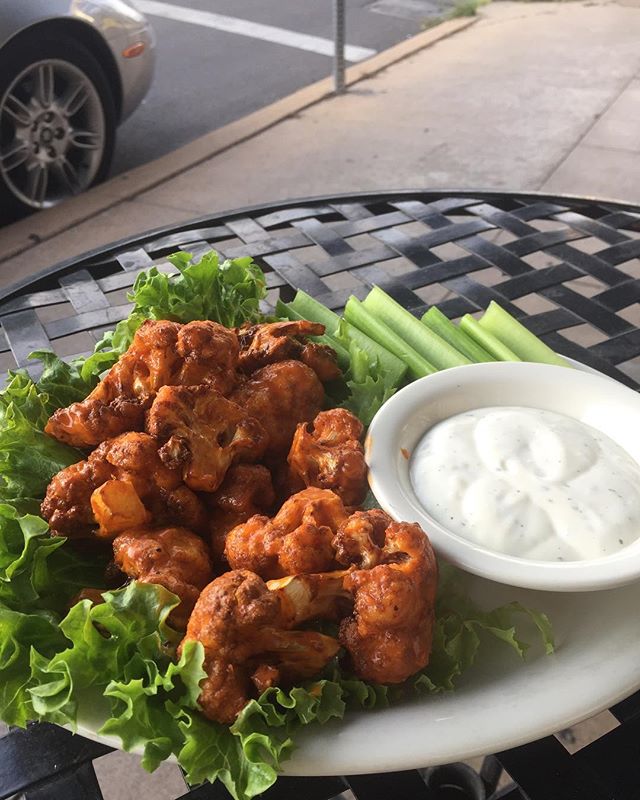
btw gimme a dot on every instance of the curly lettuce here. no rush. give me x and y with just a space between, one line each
368 384
229 292
28 457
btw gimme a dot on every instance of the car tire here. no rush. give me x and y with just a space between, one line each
57 123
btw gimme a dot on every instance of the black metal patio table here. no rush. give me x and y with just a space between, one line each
568 268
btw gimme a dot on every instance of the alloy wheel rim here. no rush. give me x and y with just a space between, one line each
52 133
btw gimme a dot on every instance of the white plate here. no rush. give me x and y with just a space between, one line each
502 702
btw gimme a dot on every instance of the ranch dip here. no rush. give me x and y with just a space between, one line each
527 482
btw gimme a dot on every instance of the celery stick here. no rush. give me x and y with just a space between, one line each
283 310
487 340
308 308
393 367
423 340
524 344
339 329
442 325
356 314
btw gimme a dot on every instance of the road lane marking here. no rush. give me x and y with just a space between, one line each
254 30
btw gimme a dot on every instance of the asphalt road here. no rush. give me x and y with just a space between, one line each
207 77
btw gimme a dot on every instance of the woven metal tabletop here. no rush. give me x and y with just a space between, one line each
568 268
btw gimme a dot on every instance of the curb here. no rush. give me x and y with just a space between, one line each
33 230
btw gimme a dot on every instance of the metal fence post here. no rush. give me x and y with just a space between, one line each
338 37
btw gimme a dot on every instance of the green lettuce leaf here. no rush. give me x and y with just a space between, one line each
248 756
109 349
212 752
369 385
104 640
62 382
22 394
28 457
19 633
147 704
26 551
460 624
124 651
228 293
35 570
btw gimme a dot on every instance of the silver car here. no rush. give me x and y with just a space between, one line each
70 72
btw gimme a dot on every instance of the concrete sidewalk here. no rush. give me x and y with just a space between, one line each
534 96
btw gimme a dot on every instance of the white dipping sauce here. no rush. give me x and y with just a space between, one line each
530 483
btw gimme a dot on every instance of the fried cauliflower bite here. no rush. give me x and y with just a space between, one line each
161 353
67 502
323 361
117 507
297 540
359 539
320 596
389 635
271 342
202 434
327 453
173 557
247 489
209 354
132 458
384 600
247 644
135 458
119 401
280 396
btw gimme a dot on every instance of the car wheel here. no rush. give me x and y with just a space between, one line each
57 123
